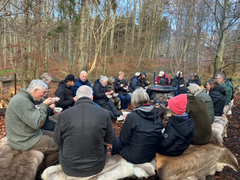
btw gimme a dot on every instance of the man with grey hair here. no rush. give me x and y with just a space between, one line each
23 122
47 78
80 132
228 86
82 80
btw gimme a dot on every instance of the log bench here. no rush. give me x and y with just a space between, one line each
18 165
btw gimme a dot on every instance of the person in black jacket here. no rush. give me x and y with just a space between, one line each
101 97
81 132
174 81
143 81
121 86
194 80
65 93
217 94
141 131
179 131
135 82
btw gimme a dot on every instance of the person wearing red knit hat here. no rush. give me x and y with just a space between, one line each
179 131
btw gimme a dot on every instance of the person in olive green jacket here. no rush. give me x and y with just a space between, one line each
227 85
197 91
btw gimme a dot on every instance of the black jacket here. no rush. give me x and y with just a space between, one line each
135 83
81 132
64 92
140 135
48 125
177 137
100 91
194 81
218 98
175 81
118 88
143 82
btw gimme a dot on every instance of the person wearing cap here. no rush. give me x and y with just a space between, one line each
179 131
197 109
194 80
143 81
135 82
64 92
162 79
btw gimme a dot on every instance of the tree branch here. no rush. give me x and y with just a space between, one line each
4 6
208 44
214 13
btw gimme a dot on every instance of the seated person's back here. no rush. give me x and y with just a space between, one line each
141 131
179 131
81 132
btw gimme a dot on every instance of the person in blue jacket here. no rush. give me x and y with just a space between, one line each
82 80
135 82
179 131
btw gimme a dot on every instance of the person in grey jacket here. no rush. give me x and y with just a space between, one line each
23 122
81 132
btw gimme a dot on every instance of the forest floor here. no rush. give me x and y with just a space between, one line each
232 142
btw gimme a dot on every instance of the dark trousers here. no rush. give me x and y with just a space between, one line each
150 94
111 108
125 100
117 146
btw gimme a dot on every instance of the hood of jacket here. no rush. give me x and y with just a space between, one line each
182 124
219 89
147 112
63 84
98 82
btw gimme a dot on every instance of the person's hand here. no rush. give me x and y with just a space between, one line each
106 93
54 101
182 85
111 91
121 85
52 106
75 98
127 87
48 101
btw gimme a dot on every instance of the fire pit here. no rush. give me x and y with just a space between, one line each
162 89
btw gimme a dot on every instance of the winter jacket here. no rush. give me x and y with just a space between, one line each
140 134
194 81
78 84
175 81
217 95
208 102
177 137
197 109
135 83
80 132
64 92
165 76
143 82
229 91
48 125
100 91
23 121
118 88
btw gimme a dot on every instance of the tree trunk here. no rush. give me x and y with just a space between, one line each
111 39
133 29
125 36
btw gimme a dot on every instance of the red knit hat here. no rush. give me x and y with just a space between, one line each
178 104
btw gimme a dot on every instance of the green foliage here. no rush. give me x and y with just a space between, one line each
8 71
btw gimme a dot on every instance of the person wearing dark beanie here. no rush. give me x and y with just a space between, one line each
179 131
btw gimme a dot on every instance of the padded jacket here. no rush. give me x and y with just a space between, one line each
135 83
100 91
141 134
194 81
158 79
79 83
177 137
81 132
175 81
229 91
64 92
117 86
217 95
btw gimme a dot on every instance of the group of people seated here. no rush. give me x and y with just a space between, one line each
77 138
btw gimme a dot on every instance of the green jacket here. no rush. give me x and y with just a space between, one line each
23 121
208 102
228 87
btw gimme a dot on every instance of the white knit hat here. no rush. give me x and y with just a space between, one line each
161 73
137 74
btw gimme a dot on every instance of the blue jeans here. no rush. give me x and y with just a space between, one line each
125 100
